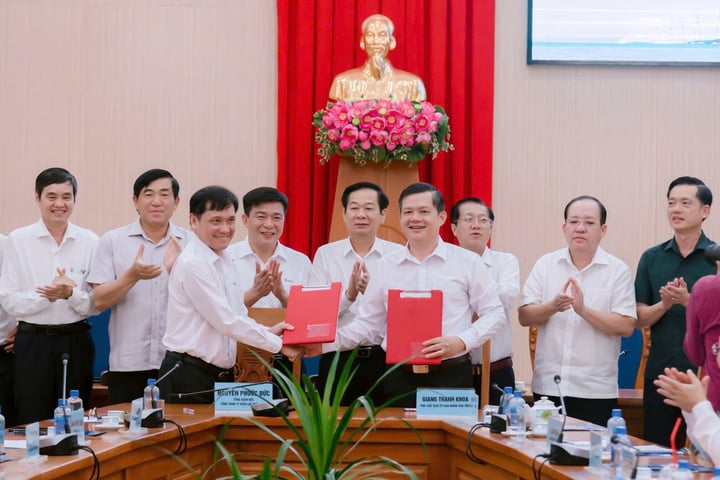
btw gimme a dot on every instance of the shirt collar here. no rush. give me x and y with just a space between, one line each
702 243
601 257
42 231
488 257
347 248
173 230
244 249
441 251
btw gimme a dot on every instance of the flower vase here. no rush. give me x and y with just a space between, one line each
392 178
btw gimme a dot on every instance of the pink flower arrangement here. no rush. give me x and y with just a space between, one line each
381 130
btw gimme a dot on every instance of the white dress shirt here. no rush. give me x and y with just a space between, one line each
585 357
137 322
505 270
7 322
704 429
466 284
206 316
296 269
32 258
334 263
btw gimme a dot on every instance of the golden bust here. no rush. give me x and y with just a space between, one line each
377 78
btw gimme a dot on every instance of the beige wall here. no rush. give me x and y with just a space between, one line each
109 88
619 133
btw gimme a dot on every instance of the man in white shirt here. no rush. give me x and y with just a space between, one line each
129 273
472 223
428 263
352 261
581 298
8 327
267 267
206 316
43 284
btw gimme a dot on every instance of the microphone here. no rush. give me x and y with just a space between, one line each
65 359
623 352
213 390
177 365
557 380
495 386
618 440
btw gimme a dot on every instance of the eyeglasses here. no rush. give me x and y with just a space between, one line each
469 220
576 222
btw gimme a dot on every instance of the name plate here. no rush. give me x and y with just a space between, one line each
449 402
240 396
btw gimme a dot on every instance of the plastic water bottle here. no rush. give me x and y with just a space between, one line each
716 473
516 413
616 420
77 415
666 472
2 432
622 468
59 415
505 400
683 471
151 395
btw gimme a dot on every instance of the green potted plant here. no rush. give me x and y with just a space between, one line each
324 440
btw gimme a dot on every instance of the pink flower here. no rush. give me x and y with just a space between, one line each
422 123
427 108
406 107
349 134
423 138
378 137
346 144
394 138
328 120
365 145
341 114
358 108
407 137
333 135
383 106
378 123
395 119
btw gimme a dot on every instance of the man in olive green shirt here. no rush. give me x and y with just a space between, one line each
664 280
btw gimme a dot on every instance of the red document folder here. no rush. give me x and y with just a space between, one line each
313 311
413 316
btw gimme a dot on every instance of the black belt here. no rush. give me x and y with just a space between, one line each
367 352
221 374
494 366
450 362
64 329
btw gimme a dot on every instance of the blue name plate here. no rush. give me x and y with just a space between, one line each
240 396
453 402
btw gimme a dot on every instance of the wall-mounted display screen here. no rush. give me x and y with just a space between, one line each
641 32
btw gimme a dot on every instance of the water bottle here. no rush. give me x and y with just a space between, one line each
516 414
151 395
624 455
683 471
616 420
505 399
2 432
59 416
716 473
77 415
666 472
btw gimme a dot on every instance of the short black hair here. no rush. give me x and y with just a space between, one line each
603 210
703 192
150 176
260 195
421 187
51 176
383 201
455 210
213 197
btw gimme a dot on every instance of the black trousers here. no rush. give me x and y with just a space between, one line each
7 386
401 384
593 410
127 386
193 375
369 365
660 418
503 377
39 370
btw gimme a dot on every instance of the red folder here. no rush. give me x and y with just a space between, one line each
413 316
313 311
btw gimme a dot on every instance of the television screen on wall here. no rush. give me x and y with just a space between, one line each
640 32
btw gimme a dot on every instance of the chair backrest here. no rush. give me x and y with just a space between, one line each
247 367
485 382
640 377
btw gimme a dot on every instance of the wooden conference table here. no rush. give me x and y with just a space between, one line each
147 457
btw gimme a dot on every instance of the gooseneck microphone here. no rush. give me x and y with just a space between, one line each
557 380
177 365
213 390
65 359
